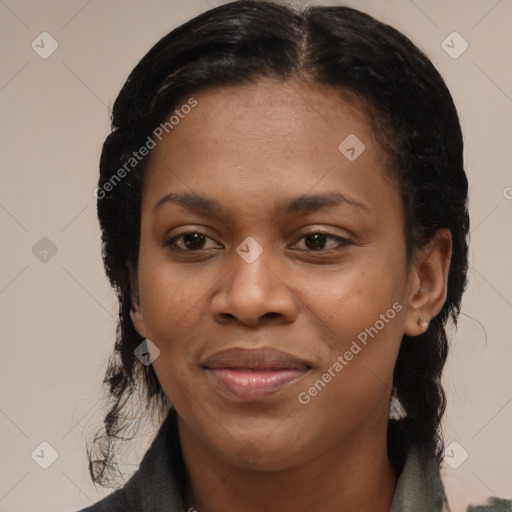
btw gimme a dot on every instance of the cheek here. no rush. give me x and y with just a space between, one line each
356 376
351 299
172 303
362 308
172 310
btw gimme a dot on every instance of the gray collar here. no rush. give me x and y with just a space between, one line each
419 487
155 486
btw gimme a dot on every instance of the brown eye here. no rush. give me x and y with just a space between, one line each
189 241
317 241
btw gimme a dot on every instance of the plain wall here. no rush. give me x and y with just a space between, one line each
58 316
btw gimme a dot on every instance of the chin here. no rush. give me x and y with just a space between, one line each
260 457
261 452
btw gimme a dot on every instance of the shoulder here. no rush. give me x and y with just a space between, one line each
494 504
115 502
157 485
419 486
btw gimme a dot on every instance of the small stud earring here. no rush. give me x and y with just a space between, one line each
423 323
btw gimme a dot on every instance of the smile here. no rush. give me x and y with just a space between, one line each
254 374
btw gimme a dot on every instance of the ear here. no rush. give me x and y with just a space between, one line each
428 282
135 310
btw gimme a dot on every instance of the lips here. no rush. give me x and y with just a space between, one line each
254 374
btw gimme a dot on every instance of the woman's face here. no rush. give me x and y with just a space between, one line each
260 233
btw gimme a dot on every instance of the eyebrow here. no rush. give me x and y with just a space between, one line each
305 203
311 203
192 201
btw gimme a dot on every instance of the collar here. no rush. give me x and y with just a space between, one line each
155 487
419 487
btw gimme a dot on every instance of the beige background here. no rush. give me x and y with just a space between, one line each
58 316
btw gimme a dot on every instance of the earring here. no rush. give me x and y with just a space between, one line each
423 323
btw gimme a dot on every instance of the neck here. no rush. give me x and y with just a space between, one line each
357 476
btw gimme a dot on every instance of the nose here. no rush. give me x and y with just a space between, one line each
254 293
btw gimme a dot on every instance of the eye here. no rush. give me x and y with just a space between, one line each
190 241
316 241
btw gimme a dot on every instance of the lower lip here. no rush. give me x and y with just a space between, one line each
254 385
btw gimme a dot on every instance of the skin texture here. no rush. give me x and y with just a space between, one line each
251 148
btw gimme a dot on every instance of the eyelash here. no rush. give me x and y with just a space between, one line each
343 242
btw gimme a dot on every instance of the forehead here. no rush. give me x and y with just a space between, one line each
279 114
267 137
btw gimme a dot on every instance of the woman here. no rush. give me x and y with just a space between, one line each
283 206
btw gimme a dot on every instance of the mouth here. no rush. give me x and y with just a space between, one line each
254 374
